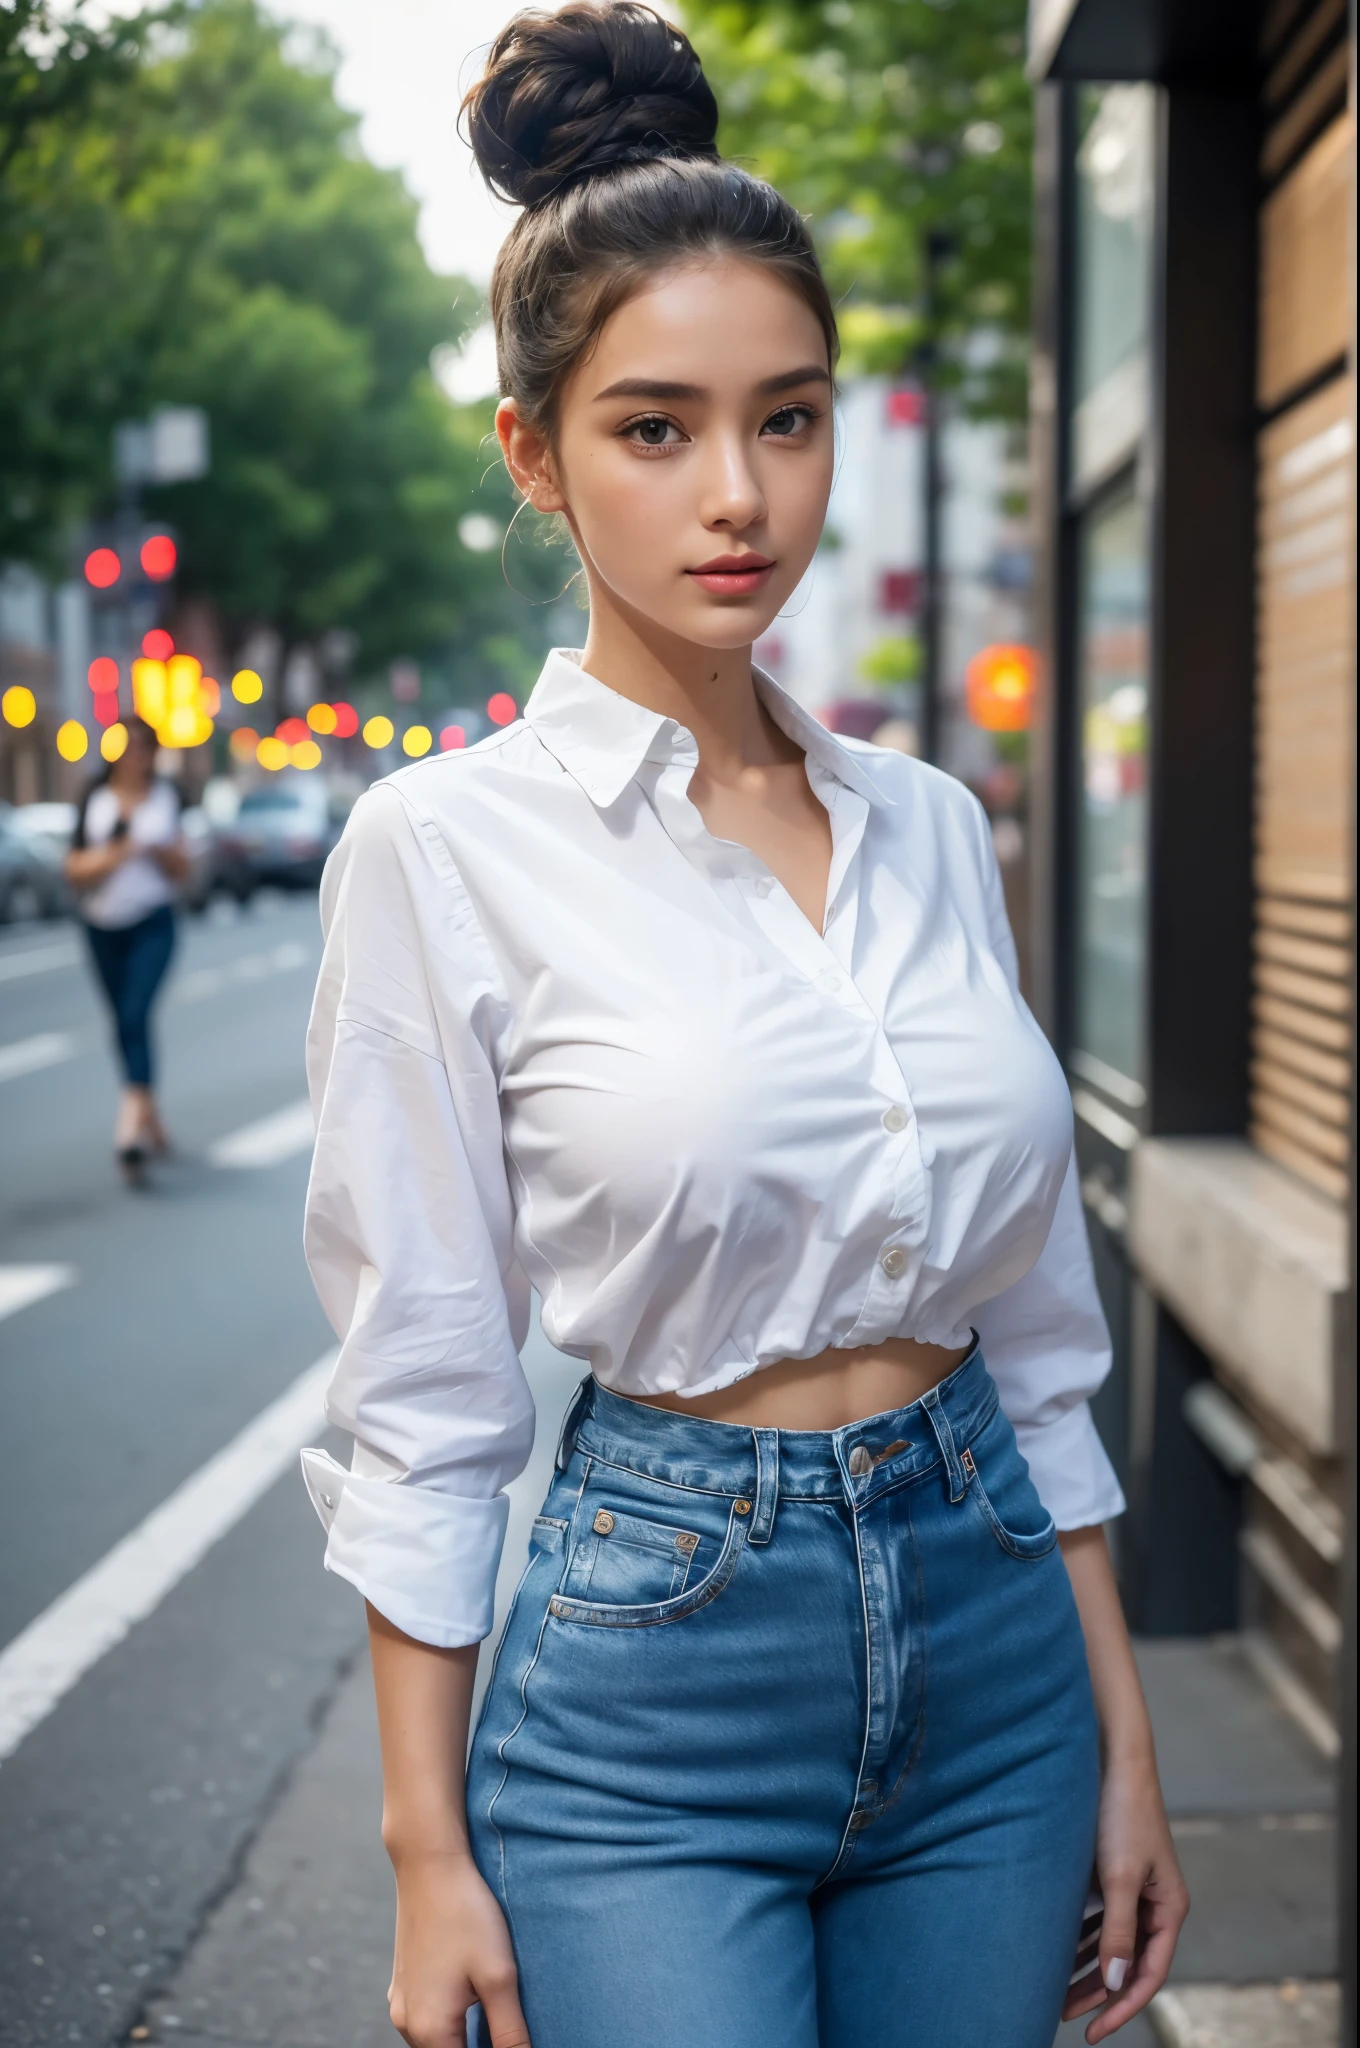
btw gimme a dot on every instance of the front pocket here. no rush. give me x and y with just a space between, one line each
623 1559
1007 1500
595 1612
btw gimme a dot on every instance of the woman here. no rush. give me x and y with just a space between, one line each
704 1023
127 859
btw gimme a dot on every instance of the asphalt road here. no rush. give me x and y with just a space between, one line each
174 1317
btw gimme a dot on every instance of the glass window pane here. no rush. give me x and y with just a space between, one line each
1112 836
1112 272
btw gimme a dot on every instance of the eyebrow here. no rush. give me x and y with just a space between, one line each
653 387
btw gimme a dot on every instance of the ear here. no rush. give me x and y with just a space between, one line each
529 459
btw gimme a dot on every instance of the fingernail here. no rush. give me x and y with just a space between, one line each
1116 1970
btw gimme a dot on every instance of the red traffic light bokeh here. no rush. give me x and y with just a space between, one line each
158 557
102 568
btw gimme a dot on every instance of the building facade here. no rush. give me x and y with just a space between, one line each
1193 419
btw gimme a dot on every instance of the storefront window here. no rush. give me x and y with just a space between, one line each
1112 858
1114 202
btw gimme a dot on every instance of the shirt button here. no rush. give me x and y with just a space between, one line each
893 1261
895 1119
829 981
764 886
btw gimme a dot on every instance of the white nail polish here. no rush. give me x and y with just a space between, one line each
1116 1970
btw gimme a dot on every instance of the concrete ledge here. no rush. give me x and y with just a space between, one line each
1288 2015
1253 1263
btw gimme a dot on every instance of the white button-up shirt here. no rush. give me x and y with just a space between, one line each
566 1039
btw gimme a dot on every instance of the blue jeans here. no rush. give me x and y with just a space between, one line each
790 1740
131 960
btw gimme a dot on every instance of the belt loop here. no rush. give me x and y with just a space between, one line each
571 1422
944 1437
767 1484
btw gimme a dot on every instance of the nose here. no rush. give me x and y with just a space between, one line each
732 497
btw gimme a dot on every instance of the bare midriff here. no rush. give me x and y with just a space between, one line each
829 1391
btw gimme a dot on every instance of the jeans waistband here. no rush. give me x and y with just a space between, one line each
765 1465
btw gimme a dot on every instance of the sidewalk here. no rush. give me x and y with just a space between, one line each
297 1954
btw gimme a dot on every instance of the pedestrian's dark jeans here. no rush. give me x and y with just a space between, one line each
790 1741
131 960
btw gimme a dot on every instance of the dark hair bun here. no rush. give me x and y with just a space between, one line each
568 95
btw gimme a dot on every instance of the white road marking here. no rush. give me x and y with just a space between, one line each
266 1143
26 1055
37 960
55 1651
202 982
21 1286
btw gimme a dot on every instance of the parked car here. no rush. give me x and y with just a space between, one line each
282 834
31 854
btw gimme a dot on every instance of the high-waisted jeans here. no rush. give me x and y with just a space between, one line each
790 1741
131 960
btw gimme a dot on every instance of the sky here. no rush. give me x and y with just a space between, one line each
405 65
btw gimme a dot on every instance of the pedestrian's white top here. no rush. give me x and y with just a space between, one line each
564 1038
140 885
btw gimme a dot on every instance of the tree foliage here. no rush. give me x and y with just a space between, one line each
894 123
187 219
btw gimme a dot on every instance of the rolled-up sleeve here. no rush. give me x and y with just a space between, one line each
409 1232
1045 1339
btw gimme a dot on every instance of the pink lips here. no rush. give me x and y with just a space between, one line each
733 575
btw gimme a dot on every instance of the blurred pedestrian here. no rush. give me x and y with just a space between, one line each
126 861
815 1708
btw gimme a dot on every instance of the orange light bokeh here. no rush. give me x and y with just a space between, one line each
1000 683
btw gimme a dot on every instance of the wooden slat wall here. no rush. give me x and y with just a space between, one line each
1301 1075
1304 301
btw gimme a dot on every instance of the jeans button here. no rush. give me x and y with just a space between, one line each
603 1522
860 1461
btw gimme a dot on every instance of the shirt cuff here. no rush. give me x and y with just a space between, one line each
1072 1475
427 1561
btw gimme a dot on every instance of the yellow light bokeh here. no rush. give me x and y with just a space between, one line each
417 740
73 741
149 690
113 741
272 754
306 754
183 676
210 695
321 718
18 705
246 686
378 732
184 725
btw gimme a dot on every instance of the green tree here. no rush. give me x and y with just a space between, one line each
895 124
198 226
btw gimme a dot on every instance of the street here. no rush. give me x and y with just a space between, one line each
141 1334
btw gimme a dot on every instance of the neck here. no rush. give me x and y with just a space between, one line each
710 690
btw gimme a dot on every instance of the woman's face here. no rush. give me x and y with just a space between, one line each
694 452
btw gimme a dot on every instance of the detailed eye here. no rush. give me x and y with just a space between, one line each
790 419
653 430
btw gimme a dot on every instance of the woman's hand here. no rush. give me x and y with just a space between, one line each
453 1950
1145 1899
1145 1896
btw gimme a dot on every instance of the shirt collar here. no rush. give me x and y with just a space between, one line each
602 739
